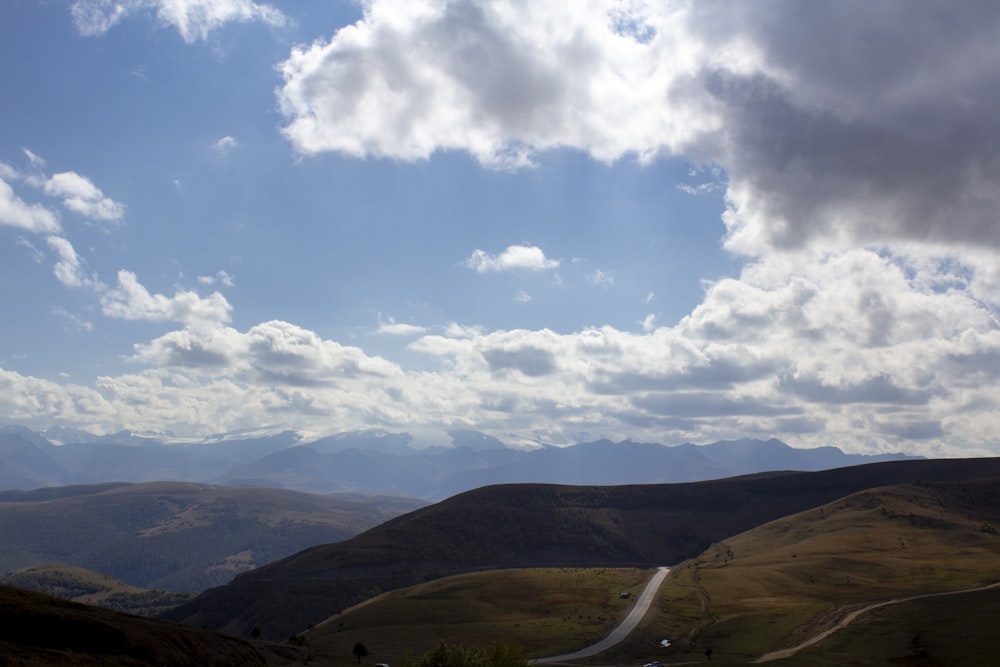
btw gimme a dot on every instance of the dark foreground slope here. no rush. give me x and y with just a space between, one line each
535 525
37 630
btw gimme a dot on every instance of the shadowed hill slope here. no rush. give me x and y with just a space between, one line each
176 536
37 630
535 525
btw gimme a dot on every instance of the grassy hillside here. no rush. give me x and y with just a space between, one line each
533 526
770 588
545 611
176 536
93 588
40 631
778 585
950 630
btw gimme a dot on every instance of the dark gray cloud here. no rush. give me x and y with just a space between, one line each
871 121
915 430
532 361
717 375
704 404
879 389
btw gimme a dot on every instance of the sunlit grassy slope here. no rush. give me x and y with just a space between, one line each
544 610
777 585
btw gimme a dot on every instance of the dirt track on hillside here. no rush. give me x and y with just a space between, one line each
855 615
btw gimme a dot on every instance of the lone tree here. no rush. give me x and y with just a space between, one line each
360 650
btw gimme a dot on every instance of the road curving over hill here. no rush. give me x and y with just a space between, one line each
617 635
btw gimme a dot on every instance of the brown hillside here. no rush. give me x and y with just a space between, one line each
535 525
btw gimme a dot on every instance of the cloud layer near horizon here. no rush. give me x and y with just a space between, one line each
861 348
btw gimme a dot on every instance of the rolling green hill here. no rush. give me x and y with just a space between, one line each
176 536
533 526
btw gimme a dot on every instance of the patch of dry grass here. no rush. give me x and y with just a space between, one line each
544 610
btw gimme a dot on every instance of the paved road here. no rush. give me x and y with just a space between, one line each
623 630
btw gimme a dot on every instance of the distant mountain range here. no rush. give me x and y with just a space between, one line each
375 461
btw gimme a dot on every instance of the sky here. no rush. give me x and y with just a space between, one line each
550 222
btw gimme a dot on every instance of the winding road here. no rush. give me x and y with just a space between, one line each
624 628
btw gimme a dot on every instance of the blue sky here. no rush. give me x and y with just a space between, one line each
665 221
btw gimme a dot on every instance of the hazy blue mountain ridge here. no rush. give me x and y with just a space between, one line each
376 461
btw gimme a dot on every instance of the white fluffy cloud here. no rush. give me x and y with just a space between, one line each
500 80
31 217
130 300
193 19
514 258
850 122
80 195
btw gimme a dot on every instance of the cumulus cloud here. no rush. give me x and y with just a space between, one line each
130 300
854 122
31 217
514 258
69 267
193 19
80 195
270 354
